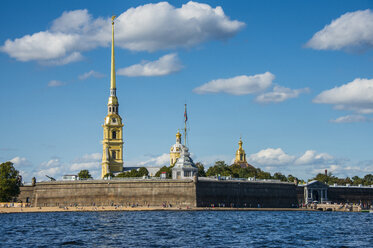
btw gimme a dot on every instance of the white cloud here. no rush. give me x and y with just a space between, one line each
20 162
161 160
55 83
87 162
351 119
280 94
270 157
351 30
51 172
89 74
356 96
55 162
149 27
240 85
73 57
52 168
161 26
165 65
311 157
334 169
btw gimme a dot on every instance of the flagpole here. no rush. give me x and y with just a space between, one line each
185 127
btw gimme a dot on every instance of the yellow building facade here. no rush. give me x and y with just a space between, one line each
112 154
176 149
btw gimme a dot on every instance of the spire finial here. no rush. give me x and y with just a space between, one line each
112 79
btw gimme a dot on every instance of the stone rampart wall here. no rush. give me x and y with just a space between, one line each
106 193
245 194
26 194
203 193
351 195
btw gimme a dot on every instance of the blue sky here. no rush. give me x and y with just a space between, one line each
293 78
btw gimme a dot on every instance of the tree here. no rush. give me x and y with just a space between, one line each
134 173
166 169
357 180
143 172
10 181
279 176
201 169
107 175
291 178
368 179
220 168
84 174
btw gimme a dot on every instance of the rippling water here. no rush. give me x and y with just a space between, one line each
187 229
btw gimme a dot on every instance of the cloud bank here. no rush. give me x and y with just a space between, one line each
353 30
280 94
148 27
55 83
256 84
355 96
239 85
91 73
351 119
165 65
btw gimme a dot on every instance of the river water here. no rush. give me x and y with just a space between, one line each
187 229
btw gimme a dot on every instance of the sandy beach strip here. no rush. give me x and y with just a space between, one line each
6 210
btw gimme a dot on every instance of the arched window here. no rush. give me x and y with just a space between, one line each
114 134
109 109
113 154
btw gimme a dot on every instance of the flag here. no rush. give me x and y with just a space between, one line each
185 115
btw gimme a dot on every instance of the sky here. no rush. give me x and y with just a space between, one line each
292 78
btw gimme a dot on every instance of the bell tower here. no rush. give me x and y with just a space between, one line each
112 154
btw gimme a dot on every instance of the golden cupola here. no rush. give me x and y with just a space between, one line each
175 150
241 155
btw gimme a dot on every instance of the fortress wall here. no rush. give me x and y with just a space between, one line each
351 195
26 194
105 193
245 194
204 193
300 195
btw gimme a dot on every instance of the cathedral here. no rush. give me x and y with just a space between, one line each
112 154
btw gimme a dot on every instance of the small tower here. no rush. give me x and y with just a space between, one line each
184 167
241 156
176 149
112 155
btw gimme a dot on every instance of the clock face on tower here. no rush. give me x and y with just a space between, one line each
114 120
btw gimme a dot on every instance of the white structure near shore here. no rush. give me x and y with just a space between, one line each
184 167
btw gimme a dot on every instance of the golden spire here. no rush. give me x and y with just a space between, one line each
112 79
178 136
240 144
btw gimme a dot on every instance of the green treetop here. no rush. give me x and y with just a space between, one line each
84 174
10 181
